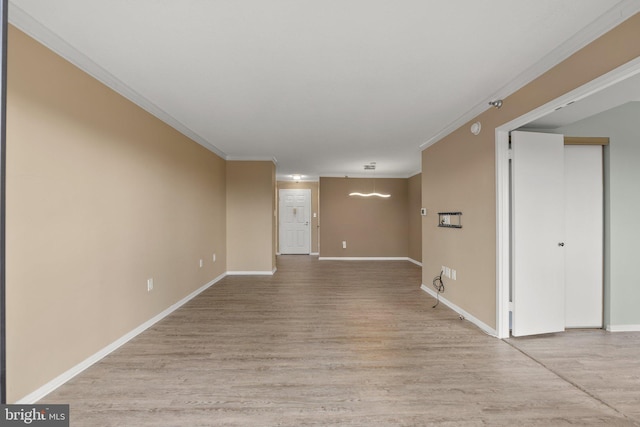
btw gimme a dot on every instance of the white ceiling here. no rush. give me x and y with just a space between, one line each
323 87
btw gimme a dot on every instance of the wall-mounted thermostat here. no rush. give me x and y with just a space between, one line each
423 211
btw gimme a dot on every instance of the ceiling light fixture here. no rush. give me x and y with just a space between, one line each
371 166
296 177
384 196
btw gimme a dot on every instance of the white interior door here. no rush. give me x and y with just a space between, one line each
584 236
537 233
295 218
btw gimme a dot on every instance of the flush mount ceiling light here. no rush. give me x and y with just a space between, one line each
371 167
296 177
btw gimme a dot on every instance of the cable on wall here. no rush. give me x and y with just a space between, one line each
439 287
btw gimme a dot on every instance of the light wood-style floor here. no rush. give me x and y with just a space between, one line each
604 365
345 344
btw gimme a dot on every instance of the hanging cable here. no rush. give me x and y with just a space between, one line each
439 287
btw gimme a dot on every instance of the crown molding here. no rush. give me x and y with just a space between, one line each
368 176
606 22
27 24
252 159
287 178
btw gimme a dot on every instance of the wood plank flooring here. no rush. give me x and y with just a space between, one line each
325 343
603 364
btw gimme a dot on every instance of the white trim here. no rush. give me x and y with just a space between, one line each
69 374
315 254
251 273
22 20
287 178
479 323
252 159
604 23
503 236
623 328
402 175
362 258
623 72
418 263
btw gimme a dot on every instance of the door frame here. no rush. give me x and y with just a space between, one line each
308 193
503 198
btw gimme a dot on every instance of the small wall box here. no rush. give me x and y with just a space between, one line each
449 219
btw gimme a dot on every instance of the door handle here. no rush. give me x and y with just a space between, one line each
306 223
561 244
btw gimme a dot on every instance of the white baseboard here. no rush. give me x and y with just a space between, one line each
315 253
362 258
480 324
66 376
623 328
251 273
418 263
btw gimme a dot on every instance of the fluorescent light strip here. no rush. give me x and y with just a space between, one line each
370 195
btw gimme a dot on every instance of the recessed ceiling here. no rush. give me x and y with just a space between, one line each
323 87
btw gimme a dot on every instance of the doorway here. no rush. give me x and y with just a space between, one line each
557 234
503 201
294 221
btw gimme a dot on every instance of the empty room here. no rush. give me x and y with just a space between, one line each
320 213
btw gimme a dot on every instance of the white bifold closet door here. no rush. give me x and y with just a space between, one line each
557 234
584 236
537 221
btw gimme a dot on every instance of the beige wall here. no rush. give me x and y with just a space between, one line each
372 227
101 196
315 222
250 216
458 173
414 218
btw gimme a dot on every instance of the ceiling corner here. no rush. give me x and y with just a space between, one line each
34 29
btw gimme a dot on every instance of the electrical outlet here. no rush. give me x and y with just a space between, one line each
447 272
454 275
150 284
344 244
201 263
214 257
